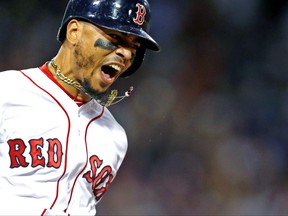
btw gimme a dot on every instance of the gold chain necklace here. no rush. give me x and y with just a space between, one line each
104 100
65 79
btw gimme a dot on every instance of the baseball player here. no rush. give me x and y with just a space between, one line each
60 147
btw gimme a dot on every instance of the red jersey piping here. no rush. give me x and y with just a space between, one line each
67 137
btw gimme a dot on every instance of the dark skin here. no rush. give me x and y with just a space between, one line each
94 57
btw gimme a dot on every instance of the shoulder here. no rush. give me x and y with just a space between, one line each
112 122
103 115
9 78
116 134
114 126
8 74
15 76
15 82
107 129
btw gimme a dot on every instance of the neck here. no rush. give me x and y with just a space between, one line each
73 87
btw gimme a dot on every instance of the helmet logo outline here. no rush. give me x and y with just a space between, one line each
140 14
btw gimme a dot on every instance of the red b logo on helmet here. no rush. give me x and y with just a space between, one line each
140 14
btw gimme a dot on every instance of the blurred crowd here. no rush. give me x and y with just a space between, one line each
207 122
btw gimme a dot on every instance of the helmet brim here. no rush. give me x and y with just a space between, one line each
148 41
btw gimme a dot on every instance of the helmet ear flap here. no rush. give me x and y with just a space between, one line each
140 54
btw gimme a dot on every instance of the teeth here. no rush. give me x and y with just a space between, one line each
116 67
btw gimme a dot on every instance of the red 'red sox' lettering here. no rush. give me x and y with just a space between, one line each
99 186
18 147
51 153
35 152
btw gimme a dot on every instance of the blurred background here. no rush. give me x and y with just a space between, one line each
207 122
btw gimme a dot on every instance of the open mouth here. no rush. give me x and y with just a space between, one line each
111 71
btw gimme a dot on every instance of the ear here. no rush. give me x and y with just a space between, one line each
73 31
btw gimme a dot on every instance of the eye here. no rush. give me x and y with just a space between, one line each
135 46
116 37
119 40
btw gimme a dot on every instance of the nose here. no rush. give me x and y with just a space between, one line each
125 52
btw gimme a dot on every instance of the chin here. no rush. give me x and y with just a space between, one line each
92 92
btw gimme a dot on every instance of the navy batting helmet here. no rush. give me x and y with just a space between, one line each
127 16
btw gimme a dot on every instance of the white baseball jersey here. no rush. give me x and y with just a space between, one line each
56 158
